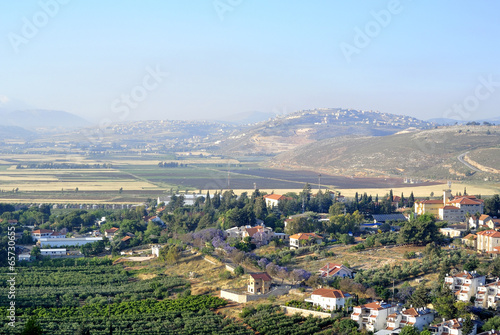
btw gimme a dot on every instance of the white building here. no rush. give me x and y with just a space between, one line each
56 242
488 240
373 316
488 295
465 284
155 250
329 299
303 239
416 317
450 327
53 252
45 233
335 270
272 200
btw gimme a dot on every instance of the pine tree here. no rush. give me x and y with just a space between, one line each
411 200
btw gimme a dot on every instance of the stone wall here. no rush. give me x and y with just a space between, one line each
305 312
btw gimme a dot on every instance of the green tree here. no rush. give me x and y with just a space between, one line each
36 253
239 270
467 325
419 298
32 327
409 330
445 304
492 323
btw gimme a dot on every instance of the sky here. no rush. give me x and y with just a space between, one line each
208 59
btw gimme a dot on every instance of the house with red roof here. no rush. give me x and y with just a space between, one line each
488 296
453 210
304 239
272 200
415 317
464 284
110 233
450 327
46 233
259 283
335 270
470 240
488 240
373 316
329 299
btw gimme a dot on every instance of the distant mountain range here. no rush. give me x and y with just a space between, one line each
445 121
40 119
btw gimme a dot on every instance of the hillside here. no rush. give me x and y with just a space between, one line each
286 132
42 120
430 154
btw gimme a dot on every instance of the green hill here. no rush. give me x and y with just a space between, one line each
429 154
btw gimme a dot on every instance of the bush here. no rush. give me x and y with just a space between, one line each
225 275
239 270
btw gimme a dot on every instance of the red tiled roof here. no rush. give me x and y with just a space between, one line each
264 276
489 233
42 231
373 305
112 230
411 311
330 293
304 236
253 230
274 197
453 208
466 201
483 217
470 236
126 238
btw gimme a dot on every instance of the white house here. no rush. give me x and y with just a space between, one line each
335 270
450 327
53 252
488 240
272 200
373 316
488 295
329 299
45 233
301 239
465 284
416 317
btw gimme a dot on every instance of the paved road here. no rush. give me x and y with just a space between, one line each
461 160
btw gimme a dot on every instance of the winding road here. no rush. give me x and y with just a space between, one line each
461 160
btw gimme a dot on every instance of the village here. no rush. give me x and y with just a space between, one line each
457 223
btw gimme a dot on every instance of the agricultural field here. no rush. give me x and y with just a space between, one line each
66 294
134 178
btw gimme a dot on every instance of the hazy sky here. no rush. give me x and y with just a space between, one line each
165 59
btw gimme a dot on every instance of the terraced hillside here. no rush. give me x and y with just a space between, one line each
431 154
